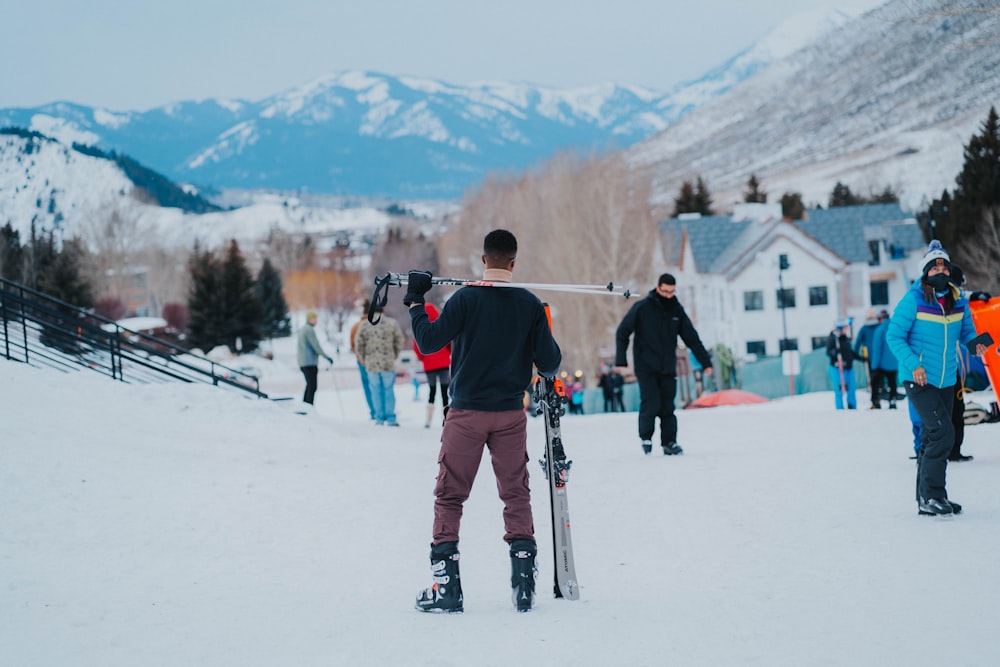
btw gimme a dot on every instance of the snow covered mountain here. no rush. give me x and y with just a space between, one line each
365 133
887 99
70 190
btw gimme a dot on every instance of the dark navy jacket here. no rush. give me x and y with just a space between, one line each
496 335
656 323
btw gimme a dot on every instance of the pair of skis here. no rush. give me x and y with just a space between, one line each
550 396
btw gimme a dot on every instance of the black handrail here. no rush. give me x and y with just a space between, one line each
60 335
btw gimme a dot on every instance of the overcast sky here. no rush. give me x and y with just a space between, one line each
138 55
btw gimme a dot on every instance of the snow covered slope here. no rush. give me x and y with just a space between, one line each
888 98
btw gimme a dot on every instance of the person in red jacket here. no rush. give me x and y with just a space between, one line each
436 366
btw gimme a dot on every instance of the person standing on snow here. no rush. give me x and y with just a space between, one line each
378 348
863 350
436 367
965 367
497 335
884 367
838 349
308 352
926 325
365 385
656 322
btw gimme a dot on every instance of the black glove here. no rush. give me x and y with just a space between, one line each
418 283
980 296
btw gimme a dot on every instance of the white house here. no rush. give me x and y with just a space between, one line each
733 272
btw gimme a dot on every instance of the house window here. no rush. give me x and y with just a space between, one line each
874 253
788 344
817 296
880 292
819 342
753 300
757 347
786 297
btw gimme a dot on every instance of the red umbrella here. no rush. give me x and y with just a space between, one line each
726 397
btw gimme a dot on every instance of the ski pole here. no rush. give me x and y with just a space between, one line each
843 380
380 297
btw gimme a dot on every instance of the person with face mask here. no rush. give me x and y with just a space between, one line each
928 324
656 322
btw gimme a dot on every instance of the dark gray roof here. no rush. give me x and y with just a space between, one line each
709 237
844 230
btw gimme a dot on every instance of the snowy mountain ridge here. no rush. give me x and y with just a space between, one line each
372 134
57 188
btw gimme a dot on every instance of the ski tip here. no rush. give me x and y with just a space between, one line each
570 591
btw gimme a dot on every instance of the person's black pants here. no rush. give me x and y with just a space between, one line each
656 399
957 423
877 378
441 376
311 374
934 405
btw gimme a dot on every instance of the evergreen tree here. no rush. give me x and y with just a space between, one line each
968 222
57 272
887 196
754 194
276 323
938 218
792 207
204 301
703 200
686 200
842 196
242 313
11 254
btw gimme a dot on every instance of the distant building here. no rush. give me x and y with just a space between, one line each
131 285
734 272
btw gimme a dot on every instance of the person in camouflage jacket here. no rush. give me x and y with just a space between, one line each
378 346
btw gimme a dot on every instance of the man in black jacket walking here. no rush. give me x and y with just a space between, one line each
657 321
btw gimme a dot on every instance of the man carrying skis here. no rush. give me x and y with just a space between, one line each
657 321
497 335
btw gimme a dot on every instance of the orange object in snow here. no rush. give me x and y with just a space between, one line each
726 397
986 317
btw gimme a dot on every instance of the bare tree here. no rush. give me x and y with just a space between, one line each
129 260
402 248
579 220
289 252
114 234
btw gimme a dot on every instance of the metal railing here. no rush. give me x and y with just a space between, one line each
41 330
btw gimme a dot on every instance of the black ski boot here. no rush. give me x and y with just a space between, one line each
647 446
672 449
935 507
522 573
445 596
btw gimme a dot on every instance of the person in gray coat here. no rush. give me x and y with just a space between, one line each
309 352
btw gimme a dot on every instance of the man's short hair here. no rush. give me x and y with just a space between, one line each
500 246
666 279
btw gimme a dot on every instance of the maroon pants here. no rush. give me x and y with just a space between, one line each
462 440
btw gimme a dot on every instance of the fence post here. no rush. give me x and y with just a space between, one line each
6 338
